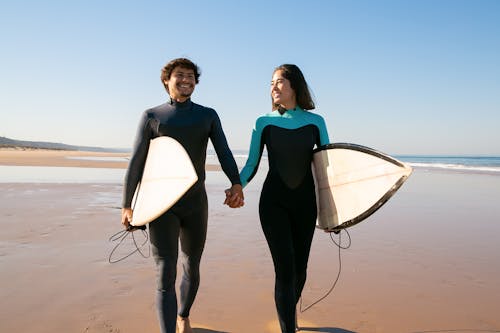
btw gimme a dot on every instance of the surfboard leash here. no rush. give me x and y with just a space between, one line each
340 247
121 235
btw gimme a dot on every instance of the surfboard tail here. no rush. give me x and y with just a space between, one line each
353 182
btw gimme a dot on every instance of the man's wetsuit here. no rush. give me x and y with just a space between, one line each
191 125
287 206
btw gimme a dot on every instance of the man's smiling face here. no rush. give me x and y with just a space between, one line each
181 84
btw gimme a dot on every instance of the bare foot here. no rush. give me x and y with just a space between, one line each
183 325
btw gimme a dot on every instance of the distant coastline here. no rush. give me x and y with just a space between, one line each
7 143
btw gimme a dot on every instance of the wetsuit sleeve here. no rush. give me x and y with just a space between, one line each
223 152
254 155
138 159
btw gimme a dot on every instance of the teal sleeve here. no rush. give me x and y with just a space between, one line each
254 156
323 132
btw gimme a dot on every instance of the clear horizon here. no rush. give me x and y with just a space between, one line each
404 78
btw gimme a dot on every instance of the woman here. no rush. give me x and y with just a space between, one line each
287 206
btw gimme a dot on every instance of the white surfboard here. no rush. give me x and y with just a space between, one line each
168 174
352 182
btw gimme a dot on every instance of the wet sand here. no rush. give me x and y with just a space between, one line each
425 262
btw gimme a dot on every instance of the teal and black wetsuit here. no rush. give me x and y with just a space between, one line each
287 206
191 125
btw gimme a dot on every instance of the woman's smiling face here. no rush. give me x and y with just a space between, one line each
281 91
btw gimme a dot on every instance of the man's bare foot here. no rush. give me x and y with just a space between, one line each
183 325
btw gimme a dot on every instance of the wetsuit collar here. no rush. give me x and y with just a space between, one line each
185 104
287 113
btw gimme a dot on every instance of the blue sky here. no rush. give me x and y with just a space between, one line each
403 77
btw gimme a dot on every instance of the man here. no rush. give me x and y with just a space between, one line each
191 125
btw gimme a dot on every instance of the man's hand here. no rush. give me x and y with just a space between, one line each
126 217
234 196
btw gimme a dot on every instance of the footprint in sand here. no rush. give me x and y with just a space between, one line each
97 324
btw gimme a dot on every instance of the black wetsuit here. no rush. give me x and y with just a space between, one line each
191 125
287 206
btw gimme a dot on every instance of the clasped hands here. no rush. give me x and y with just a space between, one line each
234 196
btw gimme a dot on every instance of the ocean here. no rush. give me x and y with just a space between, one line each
475 164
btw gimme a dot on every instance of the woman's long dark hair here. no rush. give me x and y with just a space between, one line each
299 85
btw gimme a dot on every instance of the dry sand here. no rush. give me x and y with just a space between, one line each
60 158
426 262
66 158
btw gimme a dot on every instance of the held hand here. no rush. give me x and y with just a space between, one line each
127 214
228 196
234 196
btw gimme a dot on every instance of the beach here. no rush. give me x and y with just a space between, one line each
427 261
